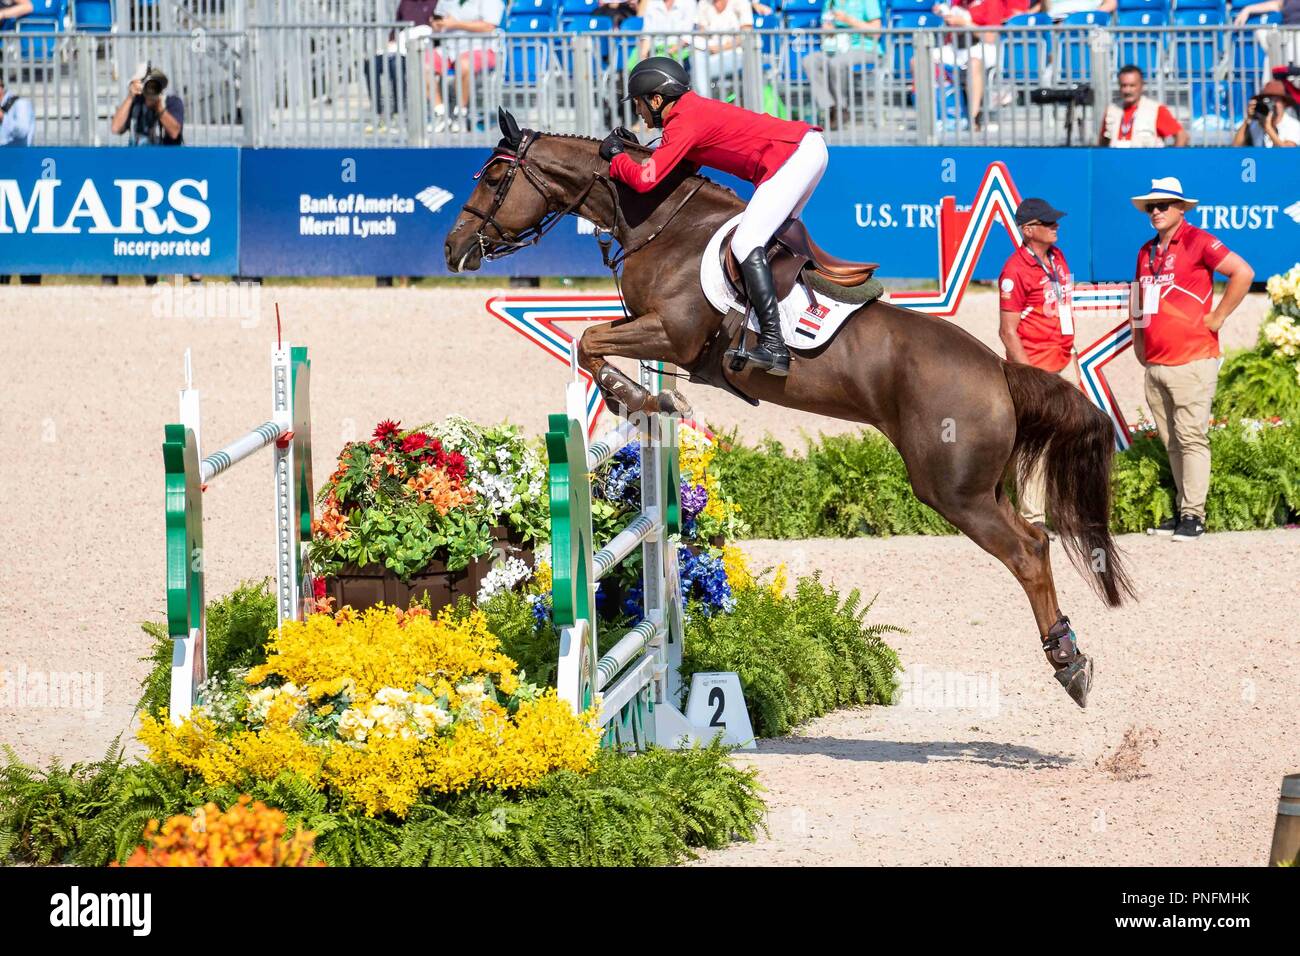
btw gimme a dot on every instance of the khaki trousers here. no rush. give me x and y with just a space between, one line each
1180 398
1033 493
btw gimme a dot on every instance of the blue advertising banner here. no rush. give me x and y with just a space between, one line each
119 211
1249 200
376 212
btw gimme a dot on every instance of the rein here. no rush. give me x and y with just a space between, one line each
504 244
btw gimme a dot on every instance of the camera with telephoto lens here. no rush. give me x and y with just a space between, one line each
1079 94
1261 110
155 81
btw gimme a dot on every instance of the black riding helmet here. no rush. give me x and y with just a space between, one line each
657 74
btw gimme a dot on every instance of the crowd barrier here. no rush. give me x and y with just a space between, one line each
273 212
350 81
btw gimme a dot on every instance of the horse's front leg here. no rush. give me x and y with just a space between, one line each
642 337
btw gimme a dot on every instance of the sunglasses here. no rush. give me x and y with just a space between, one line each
1157 206
1047 225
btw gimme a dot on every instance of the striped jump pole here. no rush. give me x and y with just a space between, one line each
637 679
188 476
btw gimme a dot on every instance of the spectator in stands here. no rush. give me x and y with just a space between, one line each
17 119
386 74
829 69
471 29
1060 9
1035 326
1290 10
13 9
973 52
150 114
1270 119
616 10
1138 120
1177 340
730 17
664 17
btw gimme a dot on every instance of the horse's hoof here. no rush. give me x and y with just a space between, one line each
1076 678
673 402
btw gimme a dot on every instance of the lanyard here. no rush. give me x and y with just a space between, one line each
1056 280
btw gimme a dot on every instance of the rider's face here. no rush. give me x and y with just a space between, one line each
645 109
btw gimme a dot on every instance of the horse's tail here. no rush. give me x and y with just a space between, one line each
1056 422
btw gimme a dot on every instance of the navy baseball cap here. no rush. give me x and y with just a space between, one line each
1037 210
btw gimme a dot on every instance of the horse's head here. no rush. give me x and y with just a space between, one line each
528 183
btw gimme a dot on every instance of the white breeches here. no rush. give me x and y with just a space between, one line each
782 197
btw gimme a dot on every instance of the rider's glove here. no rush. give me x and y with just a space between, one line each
612 144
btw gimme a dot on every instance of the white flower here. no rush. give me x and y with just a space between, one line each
503 577
355 725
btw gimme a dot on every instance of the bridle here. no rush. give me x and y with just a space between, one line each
507 242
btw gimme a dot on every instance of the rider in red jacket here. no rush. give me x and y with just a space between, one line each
785 160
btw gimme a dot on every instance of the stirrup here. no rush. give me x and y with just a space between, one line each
777 364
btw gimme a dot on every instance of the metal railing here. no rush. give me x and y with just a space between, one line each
362 83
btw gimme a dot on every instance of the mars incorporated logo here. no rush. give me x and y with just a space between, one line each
145 217
362 216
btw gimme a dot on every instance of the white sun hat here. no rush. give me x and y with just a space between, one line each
1167 188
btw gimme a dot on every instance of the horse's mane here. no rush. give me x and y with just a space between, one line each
643 152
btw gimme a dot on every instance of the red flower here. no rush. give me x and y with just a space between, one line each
418 443
453 463
318 588
386 430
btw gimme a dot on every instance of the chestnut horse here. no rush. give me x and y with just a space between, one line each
961 417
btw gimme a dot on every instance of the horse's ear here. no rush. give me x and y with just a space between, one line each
509 128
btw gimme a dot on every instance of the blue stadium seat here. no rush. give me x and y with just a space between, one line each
1197 5
604 45
1024 52
532 8
1143 18
1198 18
46 17
528 23
1028 20
634 24
625 46
1145 6
767 26
1088 18
911 20
93 16
908 6
792 7
578 8
803 20
1141 49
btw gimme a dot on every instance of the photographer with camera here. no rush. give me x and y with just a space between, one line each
1270 119
1138 121
17 119
149 116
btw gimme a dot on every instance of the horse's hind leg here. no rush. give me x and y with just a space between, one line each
991 523
643 337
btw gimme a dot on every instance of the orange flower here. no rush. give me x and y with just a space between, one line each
437 487
248 834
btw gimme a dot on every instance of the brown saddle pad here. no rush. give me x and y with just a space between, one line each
789 252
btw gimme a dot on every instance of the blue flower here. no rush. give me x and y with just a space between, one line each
623 482
541 608
704 579
695 498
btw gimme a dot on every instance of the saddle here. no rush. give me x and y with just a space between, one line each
792 250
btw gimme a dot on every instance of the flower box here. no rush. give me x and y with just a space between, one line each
375 584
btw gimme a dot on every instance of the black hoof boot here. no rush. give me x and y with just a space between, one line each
1076 678
1073 667
673 402
770 355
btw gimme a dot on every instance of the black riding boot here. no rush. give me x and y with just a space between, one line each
771 354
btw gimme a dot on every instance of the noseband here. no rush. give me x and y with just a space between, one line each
506 241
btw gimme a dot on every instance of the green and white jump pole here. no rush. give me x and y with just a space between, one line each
187 477
637 680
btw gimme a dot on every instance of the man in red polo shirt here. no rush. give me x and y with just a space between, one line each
1036 326
1177 339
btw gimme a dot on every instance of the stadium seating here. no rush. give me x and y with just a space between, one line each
93 16
47 16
